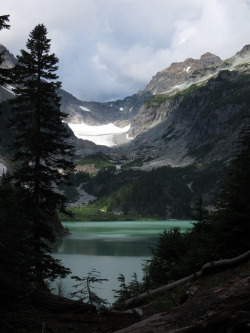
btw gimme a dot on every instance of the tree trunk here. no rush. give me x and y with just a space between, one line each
207 269
222 309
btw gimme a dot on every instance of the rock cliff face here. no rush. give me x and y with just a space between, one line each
96 113
180 72
193 111
126 109
9 59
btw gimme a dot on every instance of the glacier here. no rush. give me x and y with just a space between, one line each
101 135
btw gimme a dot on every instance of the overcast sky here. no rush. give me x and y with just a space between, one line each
110 49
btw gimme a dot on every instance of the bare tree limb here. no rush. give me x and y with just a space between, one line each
207 269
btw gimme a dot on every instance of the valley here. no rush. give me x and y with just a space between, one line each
155 153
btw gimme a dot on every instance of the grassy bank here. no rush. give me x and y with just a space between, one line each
87 213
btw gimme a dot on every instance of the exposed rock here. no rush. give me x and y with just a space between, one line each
90 168
222 309
202 124
197 113
83 197
97 113
178 72
9 59
198 120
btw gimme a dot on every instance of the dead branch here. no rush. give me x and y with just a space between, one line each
207 269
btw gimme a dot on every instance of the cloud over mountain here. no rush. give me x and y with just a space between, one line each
111 49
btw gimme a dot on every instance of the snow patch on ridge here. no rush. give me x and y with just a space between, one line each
84 108
237 62
101 135
3 168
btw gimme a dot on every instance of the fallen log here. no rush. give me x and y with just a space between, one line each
207 269
211 266
221 309
224 308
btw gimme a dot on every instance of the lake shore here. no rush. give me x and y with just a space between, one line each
111 247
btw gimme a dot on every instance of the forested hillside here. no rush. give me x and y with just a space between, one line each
161 193
189 119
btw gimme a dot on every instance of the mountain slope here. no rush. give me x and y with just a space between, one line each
97 113
179 73
9 59
175 120
190 114
199 118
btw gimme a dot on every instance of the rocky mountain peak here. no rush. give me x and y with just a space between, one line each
209 55
206 60
244 52
9 59
178 72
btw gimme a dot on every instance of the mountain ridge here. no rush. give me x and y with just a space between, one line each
200 103
156 107
180 71
190 114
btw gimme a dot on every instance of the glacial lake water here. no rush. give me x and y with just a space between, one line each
112 248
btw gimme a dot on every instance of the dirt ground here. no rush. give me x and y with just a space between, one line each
219 302
33 321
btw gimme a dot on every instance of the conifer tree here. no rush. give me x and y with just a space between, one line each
232 219
42 154
14 240
3 25
200 215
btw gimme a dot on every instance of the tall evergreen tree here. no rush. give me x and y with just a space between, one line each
3 25
14 241
42 154
232 219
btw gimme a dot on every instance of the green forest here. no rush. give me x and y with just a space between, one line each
162 193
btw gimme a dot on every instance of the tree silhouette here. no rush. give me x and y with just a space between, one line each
42 154
86 292
232 219
3 25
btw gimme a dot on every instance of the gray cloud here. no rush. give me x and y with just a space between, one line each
109 49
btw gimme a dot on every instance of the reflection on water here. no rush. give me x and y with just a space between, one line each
112 248
129 228
99 246
114 238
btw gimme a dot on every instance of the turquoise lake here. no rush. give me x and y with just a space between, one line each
112 248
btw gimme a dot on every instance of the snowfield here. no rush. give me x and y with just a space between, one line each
84 108
3 168
101 135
